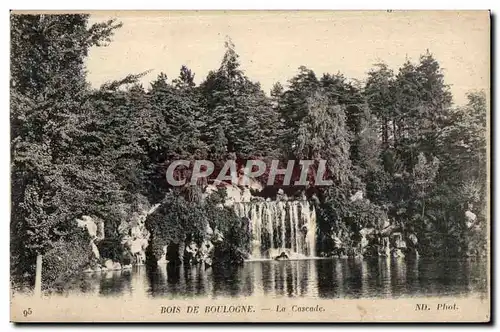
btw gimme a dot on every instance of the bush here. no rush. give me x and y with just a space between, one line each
173 221
178 219
67 257
235 247
112 249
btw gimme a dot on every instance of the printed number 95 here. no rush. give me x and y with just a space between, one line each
27 312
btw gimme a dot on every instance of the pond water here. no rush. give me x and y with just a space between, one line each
312 278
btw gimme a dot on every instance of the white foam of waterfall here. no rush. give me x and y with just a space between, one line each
256 230
294 223
281 209
298 232
293 245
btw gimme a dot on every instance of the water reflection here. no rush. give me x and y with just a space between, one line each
115 282
327 278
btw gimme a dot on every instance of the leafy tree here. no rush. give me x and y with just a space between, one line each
52 183
173 222
322 135
379 92
463 144
294 104
423 103
276 94
238 106
435 103
178 219
424 174
102 152
185 80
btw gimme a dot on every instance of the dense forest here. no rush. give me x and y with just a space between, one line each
419 160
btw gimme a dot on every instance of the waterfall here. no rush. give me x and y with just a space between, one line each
280 226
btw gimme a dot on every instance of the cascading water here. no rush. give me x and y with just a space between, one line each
280 226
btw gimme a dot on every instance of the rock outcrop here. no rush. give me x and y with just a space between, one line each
470 219
135 236
95 229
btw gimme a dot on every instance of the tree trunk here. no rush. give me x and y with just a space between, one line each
394 133
38 276
385 133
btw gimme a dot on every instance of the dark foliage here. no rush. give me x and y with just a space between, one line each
80 151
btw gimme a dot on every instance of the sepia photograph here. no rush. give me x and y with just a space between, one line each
250 166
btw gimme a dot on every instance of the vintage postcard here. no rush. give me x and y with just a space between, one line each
250 166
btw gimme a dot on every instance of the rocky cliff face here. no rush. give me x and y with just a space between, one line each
386 240
95 229
133 237
194 252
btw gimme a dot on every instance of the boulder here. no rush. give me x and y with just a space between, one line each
412 239
358 195
397 240
153 208
281 196
366 231
234 195
337 242
163 259
89 224
109 264
191 254
138 245
397 253
95 250
208 230
192 248
135 236
136 231
470 218
384 250
218 237
205 252
246 196
248 182
364 241
281 256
